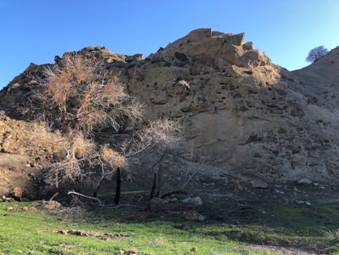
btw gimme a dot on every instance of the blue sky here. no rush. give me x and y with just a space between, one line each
37 30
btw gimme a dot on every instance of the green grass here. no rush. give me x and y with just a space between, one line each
35 232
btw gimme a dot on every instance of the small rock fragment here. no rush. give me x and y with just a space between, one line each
304 181
52 205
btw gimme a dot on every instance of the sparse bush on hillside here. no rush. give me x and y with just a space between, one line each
79 152
161 138
156 135
113 158
73 101
316 54
87 165
74 98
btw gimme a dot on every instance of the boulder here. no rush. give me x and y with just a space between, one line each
199 34
136 57
237 39
248 46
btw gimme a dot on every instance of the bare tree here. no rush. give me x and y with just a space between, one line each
79 154
161 139
86 162
316 53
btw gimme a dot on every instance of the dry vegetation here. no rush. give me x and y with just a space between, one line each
76 103
75 97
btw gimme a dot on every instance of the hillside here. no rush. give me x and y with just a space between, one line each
206 137
318 81
240 112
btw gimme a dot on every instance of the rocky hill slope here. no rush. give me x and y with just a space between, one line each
25 149
318 81
240 113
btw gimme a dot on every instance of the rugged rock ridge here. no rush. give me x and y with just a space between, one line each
239 111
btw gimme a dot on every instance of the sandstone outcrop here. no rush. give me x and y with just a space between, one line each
240 112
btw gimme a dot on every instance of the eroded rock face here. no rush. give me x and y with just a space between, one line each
239 111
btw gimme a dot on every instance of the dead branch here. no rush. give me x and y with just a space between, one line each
54 196
189 180
87 197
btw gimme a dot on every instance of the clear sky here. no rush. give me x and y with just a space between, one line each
37 30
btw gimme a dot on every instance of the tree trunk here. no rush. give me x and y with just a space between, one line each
118 187
154 185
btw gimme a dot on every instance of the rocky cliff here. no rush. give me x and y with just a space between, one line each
240 112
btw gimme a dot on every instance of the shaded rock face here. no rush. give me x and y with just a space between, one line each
239 111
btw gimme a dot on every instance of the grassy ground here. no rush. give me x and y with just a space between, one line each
35 231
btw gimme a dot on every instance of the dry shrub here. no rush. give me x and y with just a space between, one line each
81 104
74 98
80 155
81 147
163 131
52 143
156 135
84 163
64 83
31 139
113 158
106 106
